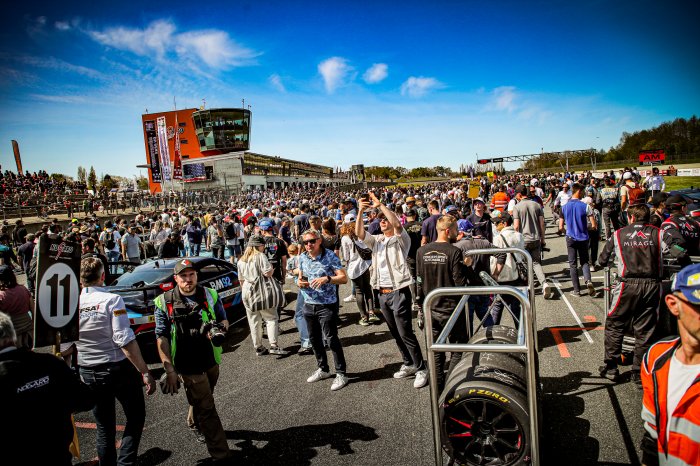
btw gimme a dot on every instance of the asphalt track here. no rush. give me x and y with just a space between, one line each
273 417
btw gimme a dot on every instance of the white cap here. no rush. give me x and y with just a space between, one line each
627 176
349 218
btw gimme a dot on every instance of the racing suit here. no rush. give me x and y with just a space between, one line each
608 198
684 229
638 251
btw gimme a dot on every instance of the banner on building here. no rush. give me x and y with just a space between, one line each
194 172
651 157
163 149
177 161
18 159
149 127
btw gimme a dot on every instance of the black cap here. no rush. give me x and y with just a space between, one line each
676 199
411 213
659 198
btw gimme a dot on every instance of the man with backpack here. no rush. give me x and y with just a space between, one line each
630 194
232 232
609 199
110 240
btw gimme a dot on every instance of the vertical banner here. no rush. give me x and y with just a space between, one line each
163 149
18 159
177 162
149 127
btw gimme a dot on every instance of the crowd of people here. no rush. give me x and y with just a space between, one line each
394 245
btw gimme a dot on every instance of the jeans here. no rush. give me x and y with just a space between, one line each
113 256
593 243
109 382
322 324
535 250
301 322
610 221
457 335
478 306
217 252
396 308
193 250
363 294
580 249
511 301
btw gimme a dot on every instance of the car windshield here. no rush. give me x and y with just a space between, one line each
143 277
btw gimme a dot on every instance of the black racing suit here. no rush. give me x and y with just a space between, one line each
638 251
686 230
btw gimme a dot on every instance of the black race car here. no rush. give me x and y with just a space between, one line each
140 286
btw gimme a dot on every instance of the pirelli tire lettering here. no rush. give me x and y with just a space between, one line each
483 407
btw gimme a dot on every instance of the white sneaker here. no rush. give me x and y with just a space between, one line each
340 381
405 371
318 375
547 291
421 379
350 299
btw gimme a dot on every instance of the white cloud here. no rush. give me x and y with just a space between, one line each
504 98
160 39
54 64
276 81
419 86
335 72
376 73
62 25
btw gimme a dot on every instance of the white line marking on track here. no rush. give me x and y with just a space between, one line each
573 313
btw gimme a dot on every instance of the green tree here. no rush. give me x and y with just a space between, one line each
142 183
108 183
82 175
92 179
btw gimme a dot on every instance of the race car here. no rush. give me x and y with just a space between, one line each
140 286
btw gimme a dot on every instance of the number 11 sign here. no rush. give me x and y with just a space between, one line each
57 291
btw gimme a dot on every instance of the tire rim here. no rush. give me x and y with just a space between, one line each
480 432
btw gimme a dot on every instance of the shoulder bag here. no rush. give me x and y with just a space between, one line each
364 253
266 292
519 265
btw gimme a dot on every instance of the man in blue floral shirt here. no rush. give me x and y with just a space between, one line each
319 272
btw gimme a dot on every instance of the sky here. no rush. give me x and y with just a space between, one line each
339 83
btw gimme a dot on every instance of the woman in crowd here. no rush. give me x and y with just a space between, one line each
358 271
253 266
16 301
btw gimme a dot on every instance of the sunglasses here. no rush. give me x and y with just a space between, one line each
309 241
682 298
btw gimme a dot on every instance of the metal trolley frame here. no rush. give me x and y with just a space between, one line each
526 343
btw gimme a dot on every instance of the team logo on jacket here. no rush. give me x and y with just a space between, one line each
637 235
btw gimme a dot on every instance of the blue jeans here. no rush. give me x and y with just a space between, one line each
301 322
478 306
112 256
193 250
111 382
321 320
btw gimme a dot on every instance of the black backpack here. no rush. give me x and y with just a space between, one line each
109 240
230 231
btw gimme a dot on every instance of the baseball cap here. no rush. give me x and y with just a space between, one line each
266 224
464 225
451 208
478 199
687 282
349 218
410 199
627 176
411 212
676 199
182 265
503 217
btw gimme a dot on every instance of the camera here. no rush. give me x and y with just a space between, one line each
215 332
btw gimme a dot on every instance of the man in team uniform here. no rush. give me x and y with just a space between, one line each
638 251
681 226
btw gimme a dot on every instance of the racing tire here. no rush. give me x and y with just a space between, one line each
483 408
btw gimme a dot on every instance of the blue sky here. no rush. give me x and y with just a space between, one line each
381 83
